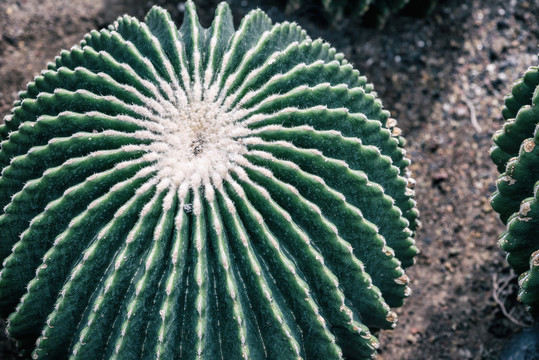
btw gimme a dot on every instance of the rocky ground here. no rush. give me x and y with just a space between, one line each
444 78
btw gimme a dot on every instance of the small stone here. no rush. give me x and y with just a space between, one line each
498 47
465 353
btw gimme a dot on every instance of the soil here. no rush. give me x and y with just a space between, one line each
444 78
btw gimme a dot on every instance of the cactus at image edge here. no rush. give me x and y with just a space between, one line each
202 193
516 154
373 12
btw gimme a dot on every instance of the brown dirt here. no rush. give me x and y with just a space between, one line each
435 75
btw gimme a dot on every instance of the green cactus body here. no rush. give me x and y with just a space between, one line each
516 153
202 193
529 284
373 12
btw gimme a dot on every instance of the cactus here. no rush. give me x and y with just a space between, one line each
373 12
516 155
205 193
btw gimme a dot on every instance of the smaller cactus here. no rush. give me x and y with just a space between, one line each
372 12
516 155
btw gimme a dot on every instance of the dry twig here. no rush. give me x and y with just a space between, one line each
500 293
473 116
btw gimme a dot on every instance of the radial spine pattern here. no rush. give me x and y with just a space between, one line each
516 153
202 194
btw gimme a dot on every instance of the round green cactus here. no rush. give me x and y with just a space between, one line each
374 12
202 193
516 154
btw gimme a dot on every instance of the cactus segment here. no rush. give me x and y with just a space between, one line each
516 150
529 285
520 113
518 179
202 193
521 224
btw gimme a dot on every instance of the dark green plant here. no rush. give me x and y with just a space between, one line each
202 193
516 154
373 12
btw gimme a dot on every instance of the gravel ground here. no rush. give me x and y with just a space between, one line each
444 78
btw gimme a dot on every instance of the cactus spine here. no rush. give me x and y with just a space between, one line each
516 154
202 193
